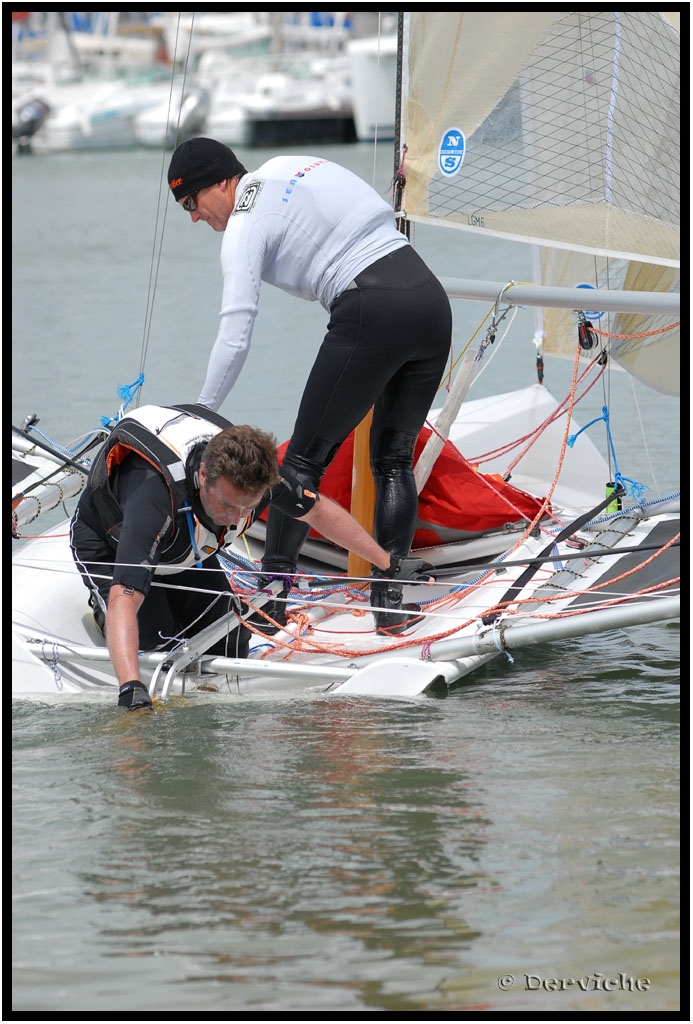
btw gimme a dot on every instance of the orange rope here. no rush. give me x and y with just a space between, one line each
36 536
598 586
310 645
645 334
298 642
556 414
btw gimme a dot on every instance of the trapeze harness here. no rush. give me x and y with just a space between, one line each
163 436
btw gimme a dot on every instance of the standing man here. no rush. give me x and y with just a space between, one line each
312 228
168 488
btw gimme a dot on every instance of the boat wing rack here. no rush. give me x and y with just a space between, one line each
193 650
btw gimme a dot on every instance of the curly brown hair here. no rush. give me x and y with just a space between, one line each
243 455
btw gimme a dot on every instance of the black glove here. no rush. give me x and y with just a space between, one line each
134 696
405 569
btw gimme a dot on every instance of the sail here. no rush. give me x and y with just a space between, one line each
556 128
456 502
646 345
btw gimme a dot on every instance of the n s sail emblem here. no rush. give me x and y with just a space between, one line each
451 151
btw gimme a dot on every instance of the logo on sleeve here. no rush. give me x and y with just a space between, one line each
248 197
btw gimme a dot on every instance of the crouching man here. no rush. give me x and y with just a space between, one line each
170 487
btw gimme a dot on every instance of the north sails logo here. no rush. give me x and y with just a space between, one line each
248 197
451 151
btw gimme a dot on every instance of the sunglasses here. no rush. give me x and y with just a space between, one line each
190 202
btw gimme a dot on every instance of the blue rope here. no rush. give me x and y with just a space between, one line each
54 444
637 489
127 393
191 529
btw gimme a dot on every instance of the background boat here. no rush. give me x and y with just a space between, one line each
58 46
93 72
110 113
272 78
373 64
192 35
298 92
180 114
279 100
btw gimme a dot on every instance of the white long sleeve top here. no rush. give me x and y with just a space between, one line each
305 225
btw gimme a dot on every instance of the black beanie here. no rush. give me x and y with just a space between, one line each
198 163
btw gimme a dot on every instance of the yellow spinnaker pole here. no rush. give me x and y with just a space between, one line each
362 492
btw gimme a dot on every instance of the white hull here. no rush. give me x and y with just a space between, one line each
96 115
373 75
167 123
283 100
330 641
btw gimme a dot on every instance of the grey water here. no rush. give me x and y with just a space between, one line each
512 848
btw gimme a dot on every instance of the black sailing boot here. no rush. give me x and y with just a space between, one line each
272 616
400 618
283 541
391 616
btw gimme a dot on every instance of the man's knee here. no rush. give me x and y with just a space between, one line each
297 490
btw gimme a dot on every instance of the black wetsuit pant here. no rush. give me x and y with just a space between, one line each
386 348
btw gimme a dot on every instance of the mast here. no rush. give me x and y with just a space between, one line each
398 179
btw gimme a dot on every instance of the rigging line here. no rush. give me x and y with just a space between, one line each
28 495
493 312
186 64
398 104
155 262
447 378
377 86
546 500
652 595
618 598
568 531
532 435
53 451
607 376
643 334
496 350
442 572
553 417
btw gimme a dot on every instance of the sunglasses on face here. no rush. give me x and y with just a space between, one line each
190 202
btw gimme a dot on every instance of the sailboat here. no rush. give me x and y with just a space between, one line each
559 130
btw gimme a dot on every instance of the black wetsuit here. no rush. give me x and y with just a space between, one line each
168 613
387 343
